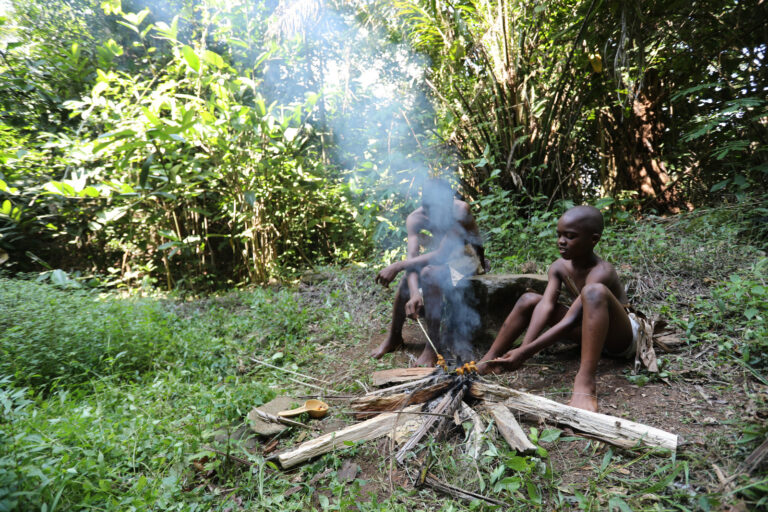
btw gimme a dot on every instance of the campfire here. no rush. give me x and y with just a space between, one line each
423 402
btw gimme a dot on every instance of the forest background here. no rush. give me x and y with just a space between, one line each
155 156
204 144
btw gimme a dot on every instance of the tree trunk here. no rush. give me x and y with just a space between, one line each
636 140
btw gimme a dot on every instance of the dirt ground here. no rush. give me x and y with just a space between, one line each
699 401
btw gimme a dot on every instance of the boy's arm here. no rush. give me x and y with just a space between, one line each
545 307
556 333
388 274
605 274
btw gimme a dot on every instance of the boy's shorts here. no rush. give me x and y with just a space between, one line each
464 262
631 350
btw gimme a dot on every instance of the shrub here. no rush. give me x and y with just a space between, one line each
51 337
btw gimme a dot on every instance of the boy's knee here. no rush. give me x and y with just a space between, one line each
430 276
593 293
528 300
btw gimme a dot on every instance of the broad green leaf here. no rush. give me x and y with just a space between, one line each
191 57
214 59
549 435
618 503
111 7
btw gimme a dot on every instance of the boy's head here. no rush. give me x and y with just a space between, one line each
437 198
578 231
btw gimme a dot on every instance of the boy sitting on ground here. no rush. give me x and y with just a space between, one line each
597 316
456 252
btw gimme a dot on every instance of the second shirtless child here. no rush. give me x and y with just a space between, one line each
597 316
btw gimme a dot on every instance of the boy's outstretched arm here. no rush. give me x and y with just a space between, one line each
556 333
389 273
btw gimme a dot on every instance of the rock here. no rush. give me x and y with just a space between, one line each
494 296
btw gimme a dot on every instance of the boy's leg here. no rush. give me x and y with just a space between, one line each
604 325
433 279
395 337
514 325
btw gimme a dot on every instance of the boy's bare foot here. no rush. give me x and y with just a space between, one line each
391 344
427 357
584 393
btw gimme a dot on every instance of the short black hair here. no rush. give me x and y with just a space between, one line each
436 191
589 216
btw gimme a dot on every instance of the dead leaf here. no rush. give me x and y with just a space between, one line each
348 471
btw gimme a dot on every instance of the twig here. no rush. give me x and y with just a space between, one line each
445 404
297 381
289 371
422 413
401 387
457 492
427 335
278 419
233 457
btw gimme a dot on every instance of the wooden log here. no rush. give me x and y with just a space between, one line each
377 426
475 433
447 405
406 386
510 429
399 400
610 429
384 377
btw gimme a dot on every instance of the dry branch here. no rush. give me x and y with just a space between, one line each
399 400
510 429
406 386
447 405
384 377
475 439
611 429
375 427
451 490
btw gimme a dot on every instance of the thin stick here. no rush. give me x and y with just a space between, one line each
457 492
427 335
278 419
348 411
401 387
297 381
288 371
233 457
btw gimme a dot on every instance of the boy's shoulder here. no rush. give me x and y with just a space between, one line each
602 270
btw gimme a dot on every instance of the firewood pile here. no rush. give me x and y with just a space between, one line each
428 402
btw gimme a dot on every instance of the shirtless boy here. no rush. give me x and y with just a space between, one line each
597 315
429 276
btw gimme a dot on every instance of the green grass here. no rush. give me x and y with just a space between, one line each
111 402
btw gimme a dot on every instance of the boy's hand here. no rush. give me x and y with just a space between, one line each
387 275
414 306
510 361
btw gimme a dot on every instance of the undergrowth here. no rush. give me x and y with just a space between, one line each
116 403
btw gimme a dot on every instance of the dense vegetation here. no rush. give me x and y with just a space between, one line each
117 402
198 146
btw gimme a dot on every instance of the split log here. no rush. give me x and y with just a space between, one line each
617 431
378 426
475 434
510 429
395 375
399 400
447 405
406 386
